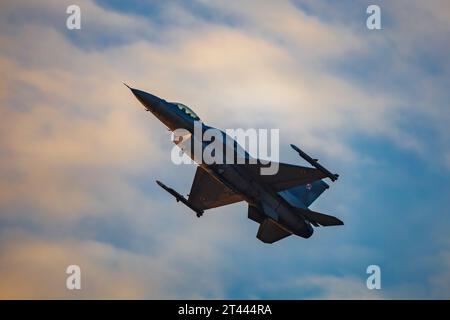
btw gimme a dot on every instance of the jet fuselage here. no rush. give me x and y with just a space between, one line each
264 200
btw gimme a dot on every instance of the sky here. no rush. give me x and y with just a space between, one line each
79 156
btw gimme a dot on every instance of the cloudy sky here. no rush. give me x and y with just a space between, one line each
79 156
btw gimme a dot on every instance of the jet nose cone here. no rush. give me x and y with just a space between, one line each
137 93
149 101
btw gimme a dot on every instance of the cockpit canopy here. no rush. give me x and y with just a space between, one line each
187 110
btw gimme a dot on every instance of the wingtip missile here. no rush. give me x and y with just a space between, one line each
315 163
179 197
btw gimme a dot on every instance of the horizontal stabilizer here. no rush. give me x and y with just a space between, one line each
269 231
317 218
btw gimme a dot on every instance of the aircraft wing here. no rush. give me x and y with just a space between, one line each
288 175
207 192
269 231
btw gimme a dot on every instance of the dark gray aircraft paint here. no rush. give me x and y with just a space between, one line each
279 202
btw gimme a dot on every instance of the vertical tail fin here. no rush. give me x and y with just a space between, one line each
303 196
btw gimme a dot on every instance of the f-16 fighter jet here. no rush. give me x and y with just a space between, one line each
278 202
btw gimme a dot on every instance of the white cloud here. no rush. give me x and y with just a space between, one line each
332 287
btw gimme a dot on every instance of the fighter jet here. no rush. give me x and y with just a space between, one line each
278 202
